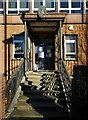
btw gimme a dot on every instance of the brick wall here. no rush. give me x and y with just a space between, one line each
2 83
81 31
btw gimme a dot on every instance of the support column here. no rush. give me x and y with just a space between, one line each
56 52
33 55
25 48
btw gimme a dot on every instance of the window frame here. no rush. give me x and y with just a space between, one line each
69 9
18 9
18 41
65 47
44 1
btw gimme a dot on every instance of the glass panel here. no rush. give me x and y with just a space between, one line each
1 12
18 55
1 4
69 37
23 11
24 4
87 4
19 47
19 38
37 3
12 12
71 56
67 11
12 4
49 4
70 47
64 4
75 11
87 11
75 4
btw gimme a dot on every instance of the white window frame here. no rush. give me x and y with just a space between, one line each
17 41
48 9
65 48
69 7
2 9
18 9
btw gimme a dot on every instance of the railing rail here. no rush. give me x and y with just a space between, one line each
13 83
66 84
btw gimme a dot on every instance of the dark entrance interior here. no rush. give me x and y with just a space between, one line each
45 54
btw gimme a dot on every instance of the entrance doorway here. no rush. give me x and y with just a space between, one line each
45 55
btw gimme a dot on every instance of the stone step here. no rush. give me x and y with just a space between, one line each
33 92
35 98
34 73
17 113
34 76
38 114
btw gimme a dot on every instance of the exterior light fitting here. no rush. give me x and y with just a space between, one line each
70 27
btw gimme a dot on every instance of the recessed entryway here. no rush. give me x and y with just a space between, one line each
45 54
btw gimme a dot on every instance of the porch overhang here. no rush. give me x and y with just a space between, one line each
49 23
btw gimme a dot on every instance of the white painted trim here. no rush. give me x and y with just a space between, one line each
65 48
17 41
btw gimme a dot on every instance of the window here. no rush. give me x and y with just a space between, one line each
16 6
1 6
86 6
70 47
70 6
49 4
18 46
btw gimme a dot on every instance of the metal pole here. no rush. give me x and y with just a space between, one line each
25 48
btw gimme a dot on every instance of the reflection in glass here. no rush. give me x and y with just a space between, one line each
64 4
24 4
12 4
70 47
1 4
19 47
49 3
75 4
37 3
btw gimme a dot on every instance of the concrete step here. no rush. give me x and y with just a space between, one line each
35 98
17 113
38 114
34 77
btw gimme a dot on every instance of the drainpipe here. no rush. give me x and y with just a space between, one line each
5 37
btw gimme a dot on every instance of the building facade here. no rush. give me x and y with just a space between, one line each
43 32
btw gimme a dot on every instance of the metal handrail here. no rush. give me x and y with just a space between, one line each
13 83
66 84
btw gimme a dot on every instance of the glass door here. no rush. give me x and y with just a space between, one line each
44 57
